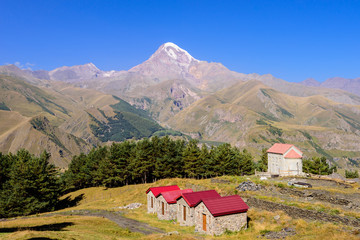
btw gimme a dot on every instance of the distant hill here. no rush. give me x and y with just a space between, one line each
350 85
253 115
64 120
203 99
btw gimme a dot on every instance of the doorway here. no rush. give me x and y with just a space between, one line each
204 222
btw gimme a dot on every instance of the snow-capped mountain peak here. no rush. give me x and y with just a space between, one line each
174 50
169 61
175 54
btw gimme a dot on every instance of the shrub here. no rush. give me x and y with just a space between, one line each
351 174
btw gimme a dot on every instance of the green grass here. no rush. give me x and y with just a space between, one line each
110 199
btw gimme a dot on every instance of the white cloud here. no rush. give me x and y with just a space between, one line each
24 66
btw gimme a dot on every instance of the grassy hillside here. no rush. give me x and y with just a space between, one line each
64 120
36 134
67 226
253 115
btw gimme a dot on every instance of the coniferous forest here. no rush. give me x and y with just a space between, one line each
152 159
29 184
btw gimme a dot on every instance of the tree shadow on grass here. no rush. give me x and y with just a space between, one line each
42 238
68 202
45 227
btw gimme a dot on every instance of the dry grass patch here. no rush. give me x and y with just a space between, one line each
65 227
110 199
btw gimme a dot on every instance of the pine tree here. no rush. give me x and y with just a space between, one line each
33 185
76 177
246 166
203 162
117 170
191 156
263 163
142 164
317 165
224 158
5 166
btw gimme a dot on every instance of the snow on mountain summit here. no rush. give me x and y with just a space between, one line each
168 62
174 54
169 48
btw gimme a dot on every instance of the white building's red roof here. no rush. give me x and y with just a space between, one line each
281 148
292 154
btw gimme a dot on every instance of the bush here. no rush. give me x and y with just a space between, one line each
351 174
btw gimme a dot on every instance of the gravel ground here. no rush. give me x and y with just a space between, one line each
116 217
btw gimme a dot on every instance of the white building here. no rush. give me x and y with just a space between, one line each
284 160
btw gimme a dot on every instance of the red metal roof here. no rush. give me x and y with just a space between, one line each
293 154
195 197
280 148
226 205
157 190
171 196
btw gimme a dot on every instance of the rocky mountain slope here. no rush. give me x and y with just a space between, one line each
206 100
251 114
62 119
350 85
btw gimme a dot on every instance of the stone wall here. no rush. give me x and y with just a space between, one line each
218 225
233 222
170 210
149 208
190 212
296 212
199 211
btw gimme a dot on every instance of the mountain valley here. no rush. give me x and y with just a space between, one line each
78 107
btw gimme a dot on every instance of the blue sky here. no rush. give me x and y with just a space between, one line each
292 40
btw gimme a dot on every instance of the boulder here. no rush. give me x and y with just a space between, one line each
248 186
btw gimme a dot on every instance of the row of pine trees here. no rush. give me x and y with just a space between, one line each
29 184
152 159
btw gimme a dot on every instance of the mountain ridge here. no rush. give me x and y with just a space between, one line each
203 99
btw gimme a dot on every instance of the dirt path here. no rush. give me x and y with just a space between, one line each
123 222
116 217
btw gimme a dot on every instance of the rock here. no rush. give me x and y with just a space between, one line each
337 176
288 229
248 186
131 206
215 180
285 232
277 217
171 233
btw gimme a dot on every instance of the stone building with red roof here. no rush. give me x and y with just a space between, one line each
284 160
216 215
186 205
166 204
152 194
